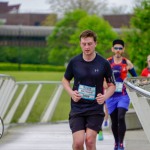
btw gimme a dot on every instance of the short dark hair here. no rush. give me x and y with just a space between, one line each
88 33
118 41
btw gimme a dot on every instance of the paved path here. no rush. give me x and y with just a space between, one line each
58 137
45 137
136 140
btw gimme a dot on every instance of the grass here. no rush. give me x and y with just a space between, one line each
63 107
34 75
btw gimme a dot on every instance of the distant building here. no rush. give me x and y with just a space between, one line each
118 21
35 19
9 15
18 35
5 8
28 28
28 19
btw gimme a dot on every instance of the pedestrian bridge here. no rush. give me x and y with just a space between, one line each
43 134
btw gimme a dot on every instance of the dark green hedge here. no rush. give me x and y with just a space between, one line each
29 67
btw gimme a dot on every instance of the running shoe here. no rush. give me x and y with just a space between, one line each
121 147
106 123
100 136
116 147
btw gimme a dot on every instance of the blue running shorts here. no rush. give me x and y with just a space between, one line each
114 102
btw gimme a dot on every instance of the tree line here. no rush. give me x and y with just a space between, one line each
63 42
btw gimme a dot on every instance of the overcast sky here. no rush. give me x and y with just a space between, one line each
42 5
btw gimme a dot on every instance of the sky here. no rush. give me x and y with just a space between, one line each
43 6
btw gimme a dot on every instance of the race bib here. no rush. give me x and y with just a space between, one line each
87 92
119 86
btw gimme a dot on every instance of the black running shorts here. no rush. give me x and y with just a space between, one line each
81 122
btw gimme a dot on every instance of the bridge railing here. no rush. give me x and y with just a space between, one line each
7 85
14 95
138 89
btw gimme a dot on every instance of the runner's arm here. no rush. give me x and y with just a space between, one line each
131 68
73 94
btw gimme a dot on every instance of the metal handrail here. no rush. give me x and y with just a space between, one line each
8 89
136 84
138 89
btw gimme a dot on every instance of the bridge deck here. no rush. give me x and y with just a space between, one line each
58 137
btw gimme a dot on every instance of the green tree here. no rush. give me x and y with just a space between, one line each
104 32
24 55
8 54
58 41
63 43
50 20
138 45
34 55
